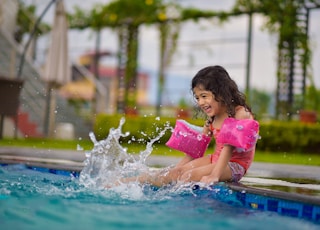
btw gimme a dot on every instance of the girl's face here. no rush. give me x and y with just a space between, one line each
207 102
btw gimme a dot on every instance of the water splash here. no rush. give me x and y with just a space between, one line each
108 161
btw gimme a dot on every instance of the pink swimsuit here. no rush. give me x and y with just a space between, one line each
242 158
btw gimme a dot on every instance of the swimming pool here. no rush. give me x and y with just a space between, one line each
38 197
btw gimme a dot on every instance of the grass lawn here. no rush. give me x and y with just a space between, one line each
271 157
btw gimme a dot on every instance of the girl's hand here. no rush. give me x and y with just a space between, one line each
211 179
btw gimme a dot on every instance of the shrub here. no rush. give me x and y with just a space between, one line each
141 129
289 137
275 136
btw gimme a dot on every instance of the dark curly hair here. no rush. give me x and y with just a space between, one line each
217 80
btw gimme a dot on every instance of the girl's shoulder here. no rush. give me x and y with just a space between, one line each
243 113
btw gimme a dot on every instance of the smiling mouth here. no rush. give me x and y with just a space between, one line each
206 109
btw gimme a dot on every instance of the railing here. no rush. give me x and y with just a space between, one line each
32 98
101 90
33 94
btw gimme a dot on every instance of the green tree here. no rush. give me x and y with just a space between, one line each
281 18
26 18
311 99
126 23
260 102
287 19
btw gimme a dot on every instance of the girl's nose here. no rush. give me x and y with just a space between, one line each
200 101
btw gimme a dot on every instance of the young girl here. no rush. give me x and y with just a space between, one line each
217 95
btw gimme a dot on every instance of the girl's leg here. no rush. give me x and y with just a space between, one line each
196 174
186 159
171 175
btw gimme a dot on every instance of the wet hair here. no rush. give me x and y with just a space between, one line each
217 80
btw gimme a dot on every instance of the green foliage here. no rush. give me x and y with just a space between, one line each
26 19
312 99
136 12
125 15
80 19
183 103
160 150
260 102
276 136
289 137
284 18
45 143
119 12
196 14
141 128
281 18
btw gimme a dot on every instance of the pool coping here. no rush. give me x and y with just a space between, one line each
295 197
57 159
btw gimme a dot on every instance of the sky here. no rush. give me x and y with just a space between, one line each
200 44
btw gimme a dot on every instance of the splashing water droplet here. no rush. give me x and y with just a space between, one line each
79 148
88 154
93 138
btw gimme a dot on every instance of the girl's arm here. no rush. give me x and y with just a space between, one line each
242 113
220 171
207 131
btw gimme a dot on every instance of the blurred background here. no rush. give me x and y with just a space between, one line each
138 57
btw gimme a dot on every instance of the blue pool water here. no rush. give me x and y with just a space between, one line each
40 198
30 199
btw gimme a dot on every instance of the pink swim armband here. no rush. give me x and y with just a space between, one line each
189 139
242 134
